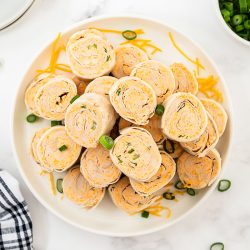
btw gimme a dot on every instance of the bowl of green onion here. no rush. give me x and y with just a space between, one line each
235 17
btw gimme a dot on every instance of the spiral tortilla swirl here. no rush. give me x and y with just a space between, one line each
90 55
125 197
136 154
97 167
163 176
88 118
184 118
199 172
48 150
127 56
78 190
133 99
159 76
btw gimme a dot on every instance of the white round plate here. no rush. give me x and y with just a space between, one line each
106 219
10 11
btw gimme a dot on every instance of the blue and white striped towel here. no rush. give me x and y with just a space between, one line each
15 221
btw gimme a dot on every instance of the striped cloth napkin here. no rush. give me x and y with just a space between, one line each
15 221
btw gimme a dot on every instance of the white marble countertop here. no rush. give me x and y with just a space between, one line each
224 216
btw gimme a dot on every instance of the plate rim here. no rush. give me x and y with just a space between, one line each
144 231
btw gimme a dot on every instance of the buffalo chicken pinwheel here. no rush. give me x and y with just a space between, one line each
133 99
217 112
89 117
98 168
101 85
90 55
127 57
136 154
184 79
125 197
206 142
185 118
163 176
56 151
199 172
159 76
78 190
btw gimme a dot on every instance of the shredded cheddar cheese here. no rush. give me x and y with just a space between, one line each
196 62
51 180
157 210
207 86
137 31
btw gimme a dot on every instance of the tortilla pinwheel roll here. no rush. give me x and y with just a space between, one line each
125 197
127 56
199 172
32 89
159 76
163 176
217 112
101 85
153 127
133 99
173 148
78 190
90 55
136 154
98 168
206 142
56 151
34 141
88 118
185 81
184 118
53 98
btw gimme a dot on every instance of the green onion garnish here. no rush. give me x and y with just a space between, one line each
131 151
168 146
106 141
145 214
59 185
179 185
237 20
217 246
168 196
247 24
224 185
191 191
63 148
129 34
159 109
74 98
31 118
55 123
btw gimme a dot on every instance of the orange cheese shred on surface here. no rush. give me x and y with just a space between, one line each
137 31
196 62
207 86
55 53
51 180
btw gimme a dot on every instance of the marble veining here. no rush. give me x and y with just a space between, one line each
223 216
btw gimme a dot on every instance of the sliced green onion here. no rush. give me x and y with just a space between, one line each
168 146
55 123
244 16
59 186
31 118
106 141
217 246
74 98
229 6
244 35
159 109
63 148
224 185
247 24
237 19
145 214
168 196
129 34
239 28
191 191
243 6
179 185
226 15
